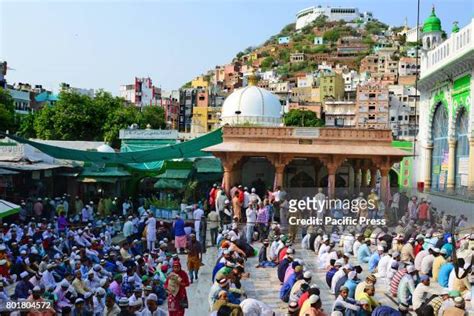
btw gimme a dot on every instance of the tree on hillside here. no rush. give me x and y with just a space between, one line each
332 35
7 111
375 27
302 118
153 115
267 63
288 29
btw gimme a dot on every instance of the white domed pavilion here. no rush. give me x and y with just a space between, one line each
252 105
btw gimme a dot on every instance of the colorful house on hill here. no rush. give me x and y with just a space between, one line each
46 98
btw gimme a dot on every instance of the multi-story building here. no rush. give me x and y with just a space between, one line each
403 101
269 75
187 103
331 86
304 95
67 87
308 15
219 76
369 64
372 109
3 73
446 139
352 79
202 98
305 80
21 99
200 82
170 104
297 58
350 46
340 113
407 66
232 77
141 93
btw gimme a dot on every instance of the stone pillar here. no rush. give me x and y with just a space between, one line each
373 177
428 153
332 168
384 184
279 170
363 181
451 166
470 178
227 178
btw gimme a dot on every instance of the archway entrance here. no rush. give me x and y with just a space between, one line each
439 160
300 177
258 173
462 151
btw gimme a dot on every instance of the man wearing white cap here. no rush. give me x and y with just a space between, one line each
150 231
427 262
296 290
384 265
23 287
437 263
422 291
406 287
375 258
198 213
128 229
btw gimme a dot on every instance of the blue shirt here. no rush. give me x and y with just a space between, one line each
179 228
444 272
385 311
374 261
449 249
363 253
351 285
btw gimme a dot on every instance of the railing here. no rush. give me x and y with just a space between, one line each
453 47
324 133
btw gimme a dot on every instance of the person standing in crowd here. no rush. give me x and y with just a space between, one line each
251 213
176 284
150 231
197 216
128 229
213 221
179 234
237 206
194 257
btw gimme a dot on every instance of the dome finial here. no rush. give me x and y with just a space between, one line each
433 10
252 79
455 27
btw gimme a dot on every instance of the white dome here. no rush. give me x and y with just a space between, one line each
104 148
252 105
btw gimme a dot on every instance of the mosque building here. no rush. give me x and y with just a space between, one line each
259 151
446 138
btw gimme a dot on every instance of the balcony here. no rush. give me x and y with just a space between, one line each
457 45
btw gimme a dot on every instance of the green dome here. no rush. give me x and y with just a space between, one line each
455 27
432 23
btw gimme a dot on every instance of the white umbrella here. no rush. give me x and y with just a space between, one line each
8 208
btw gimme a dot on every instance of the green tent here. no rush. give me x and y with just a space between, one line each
8 208
187 149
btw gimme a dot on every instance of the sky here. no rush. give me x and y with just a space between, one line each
104 44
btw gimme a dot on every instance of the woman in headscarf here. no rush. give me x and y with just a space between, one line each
176 284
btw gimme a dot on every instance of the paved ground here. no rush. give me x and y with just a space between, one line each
264 285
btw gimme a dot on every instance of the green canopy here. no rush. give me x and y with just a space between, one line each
175 174
8 208
176 184
133 145
187 149
208 165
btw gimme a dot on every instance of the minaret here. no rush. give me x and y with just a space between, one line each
431 36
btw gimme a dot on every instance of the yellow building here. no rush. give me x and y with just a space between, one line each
331 85
205 119
305 94
200 82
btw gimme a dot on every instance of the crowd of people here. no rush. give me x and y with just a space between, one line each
117 257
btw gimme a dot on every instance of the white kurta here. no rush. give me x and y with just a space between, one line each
151 229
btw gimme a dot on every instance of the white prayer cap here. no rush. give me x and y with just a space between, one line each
152 297
24 274
313 299
307 275
411 269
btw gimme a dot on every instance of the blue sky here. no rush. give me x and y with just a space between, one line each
103 44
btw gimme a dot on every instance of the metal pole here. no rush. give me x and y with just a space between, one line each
417 77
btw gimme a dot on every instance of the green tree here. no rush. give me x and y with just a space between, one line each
27 126
239 55
120 119
302 118
289 28
7 111
73 117
332 35
375 27
153 115
267 63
